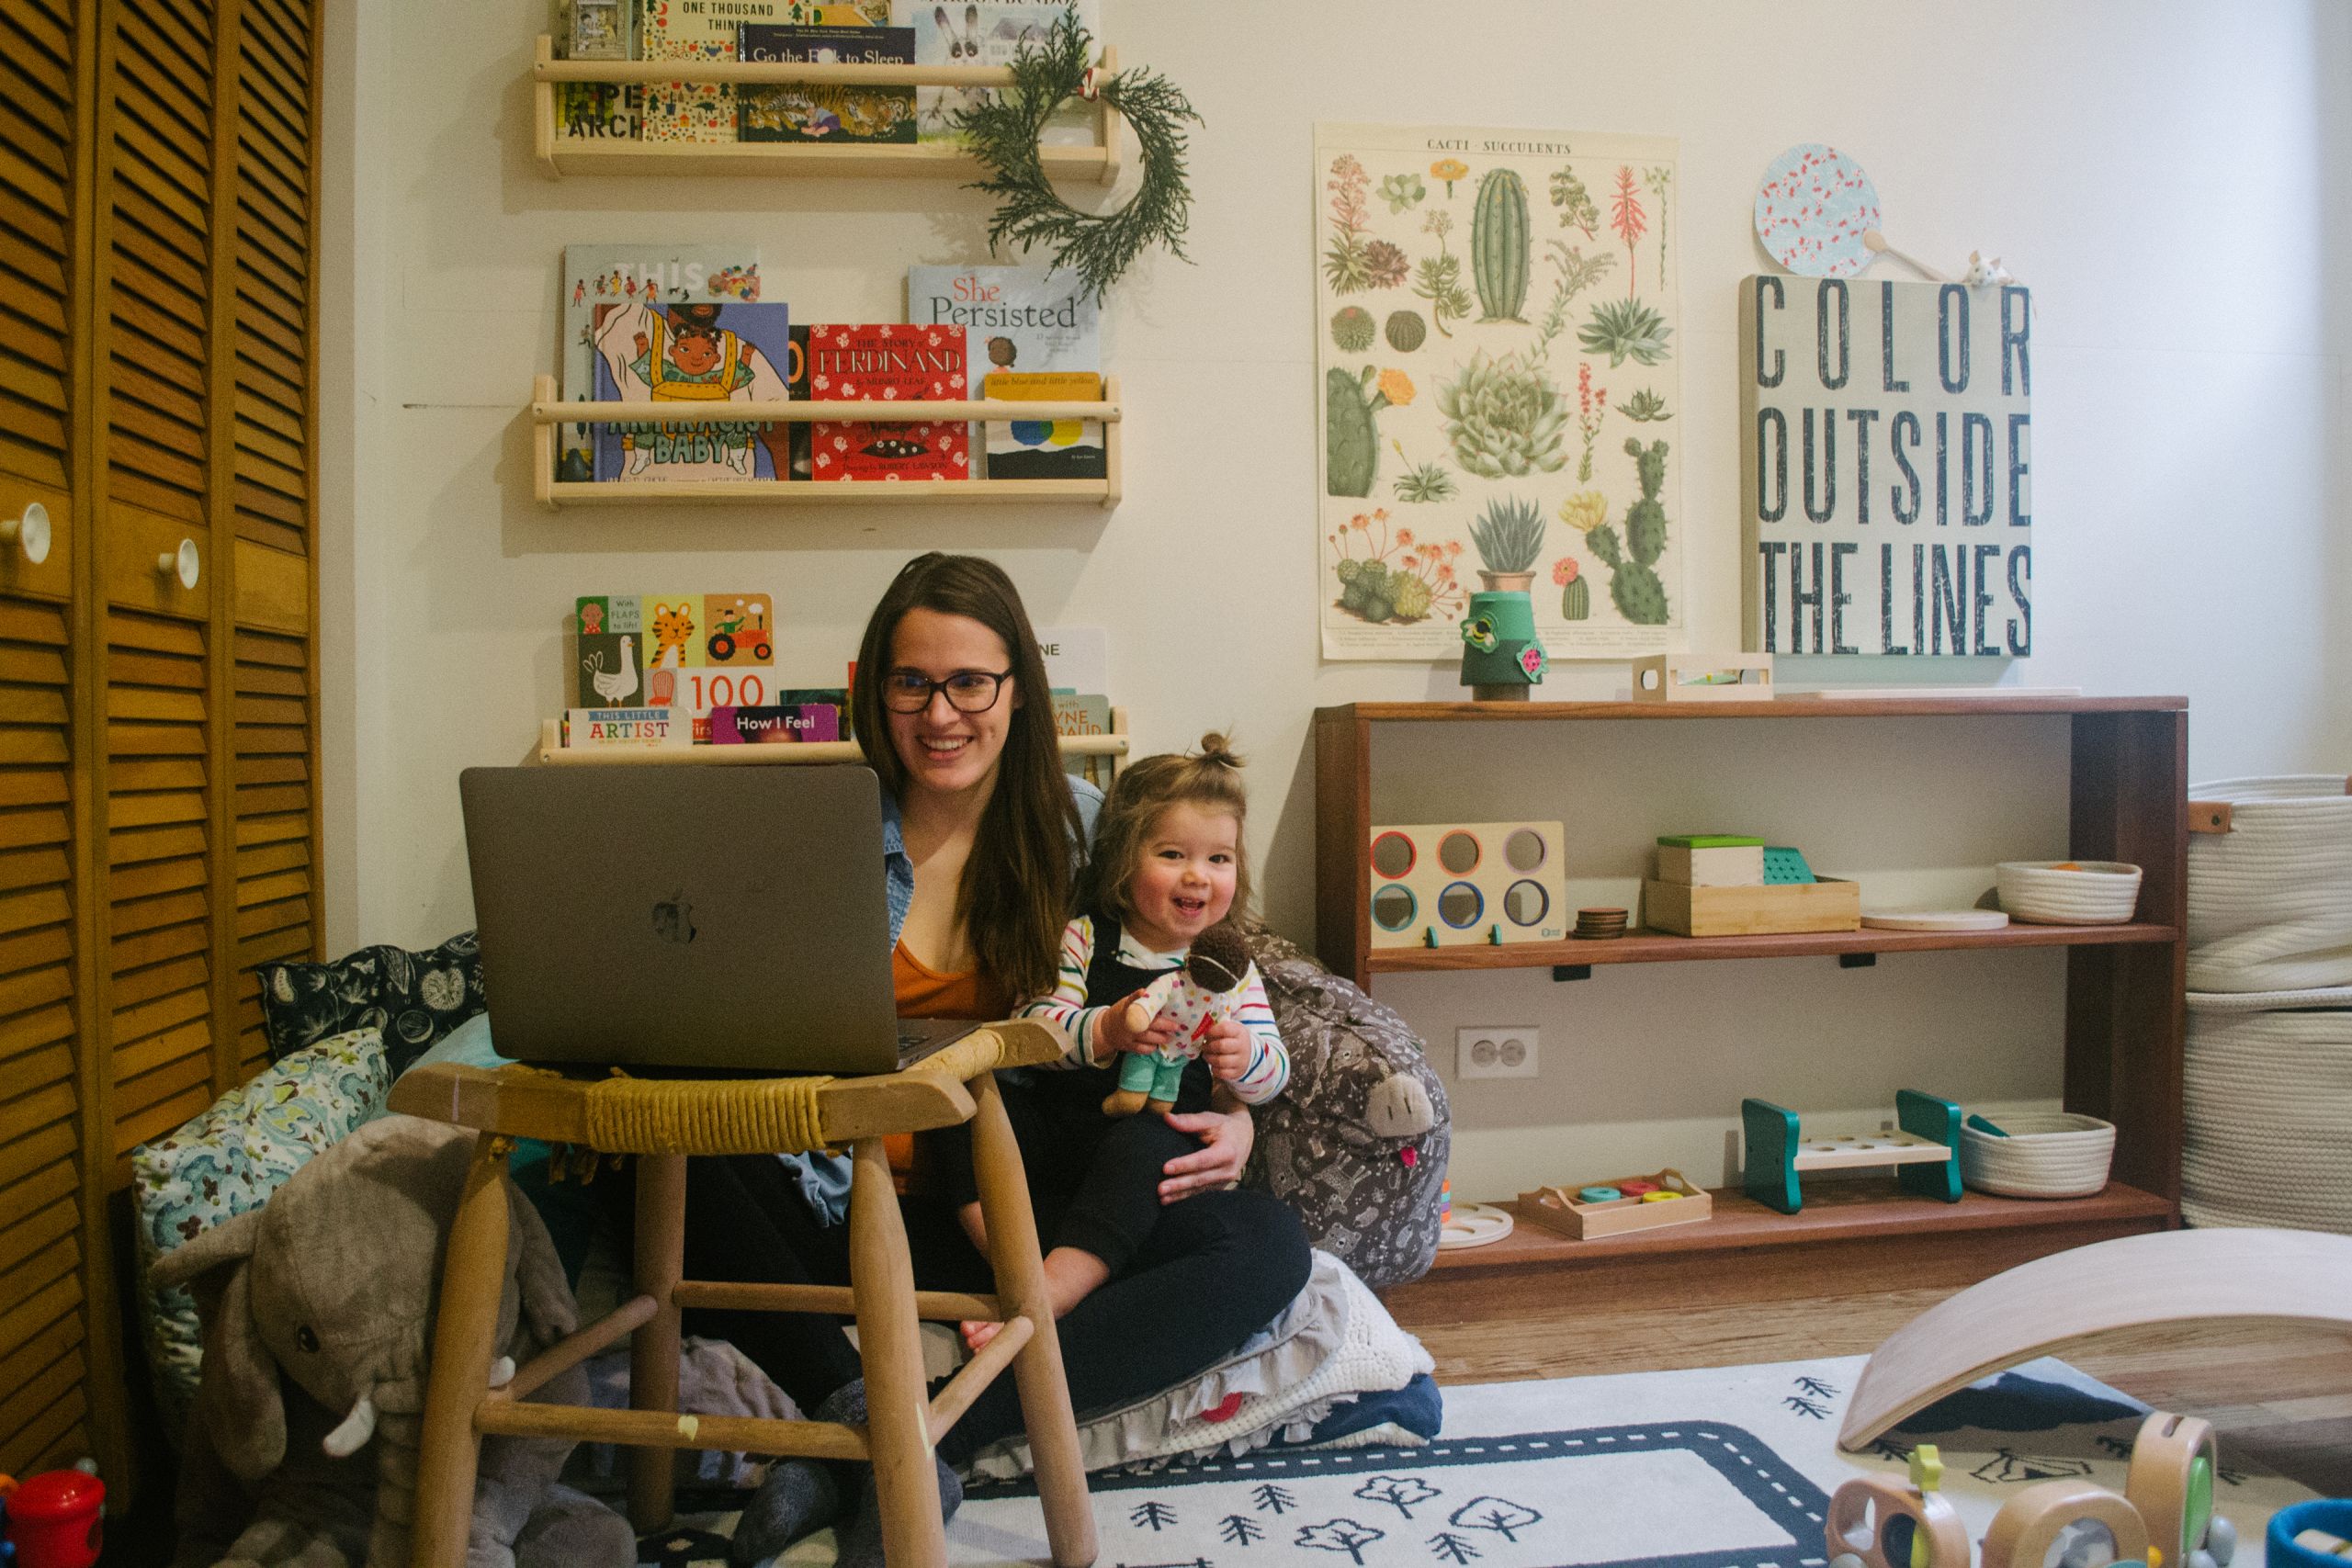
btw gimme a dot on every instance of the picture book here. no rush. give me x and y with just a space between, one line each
599 111
594 30
774 725
598 276
698 352
625 727
883 363
1019 319
797 111
833 697
797 385
1046 448
698 651
1078 713
1077 659
701 31
988 32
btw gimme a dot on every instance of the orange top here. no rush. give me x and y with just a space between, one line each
924 992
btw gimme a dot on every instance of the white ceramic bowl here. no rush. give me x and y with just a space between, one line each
2048 1154
2092 893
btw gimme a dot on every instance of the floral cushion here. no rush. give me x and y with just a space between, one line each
413 999
229 1159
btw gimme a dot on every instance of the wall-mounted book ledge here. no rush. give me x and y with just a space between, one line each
547 411
553 750
559 155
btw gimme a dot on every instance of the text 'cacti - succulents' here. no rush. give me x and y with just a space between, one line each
1498 246
1634 585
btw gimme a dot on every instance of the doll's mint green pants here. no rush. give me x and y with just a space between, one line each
1157 1075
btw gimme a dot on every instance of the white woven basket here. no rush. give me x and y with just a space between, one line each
2048 1154
2269 1114
2270 901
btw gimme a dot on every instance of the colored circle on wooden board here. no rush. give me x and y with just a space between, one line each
1813 207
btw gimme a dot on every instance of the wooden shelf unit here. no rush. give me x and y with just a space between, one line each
558 157
2128 795
553 752
549 410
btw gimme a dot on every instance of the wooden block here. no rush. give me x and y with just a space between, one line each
1736 866
1553 1207
1827 905
1703 678
1465 884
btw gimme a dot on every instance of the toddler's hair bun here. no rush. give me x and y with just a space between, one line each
1215 748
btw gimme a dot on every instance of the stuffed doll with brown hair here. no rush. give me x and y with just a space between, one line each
317 1314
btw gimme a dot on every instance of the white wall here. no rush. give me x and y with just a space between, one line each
2168 176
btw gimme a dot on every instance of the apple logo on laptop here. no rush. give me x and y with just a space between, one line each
673 919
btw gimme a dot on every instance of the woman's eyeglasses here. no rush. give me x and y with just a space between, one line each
969 691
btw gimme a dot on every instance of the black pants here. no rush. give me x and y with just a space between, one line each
1212 1270
1094 1179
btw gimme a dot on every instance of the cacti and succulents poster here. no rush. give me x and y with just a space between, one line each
1498 364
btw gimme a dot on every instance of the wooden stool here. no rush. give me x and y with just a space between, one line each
663 1120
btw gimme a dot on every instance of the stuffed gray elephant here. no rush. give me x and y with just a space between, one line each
317 1314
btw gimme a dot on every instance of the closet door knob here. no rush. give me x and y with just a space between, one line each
30 532
181 563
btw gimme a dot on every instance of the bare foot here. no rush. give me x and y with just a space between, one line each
979 1331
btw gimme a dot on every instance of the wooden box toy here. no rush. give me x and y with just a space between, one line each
1827 905
1465 884
1703 678
1562 1209
1924 1152
1711 860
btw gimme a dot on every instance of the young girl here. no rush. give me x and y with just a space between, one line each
1167 866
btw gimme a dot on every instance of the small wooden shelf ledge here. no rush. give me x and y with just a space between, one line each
560 155
1927 705
547 410
553 750
1640 946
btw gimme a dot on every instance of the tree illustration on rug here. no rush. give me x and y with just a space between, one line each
1272 1499
1239 1529
1399 1491
1805 1406
1452 1548
1341 1535
1154 1514
1625 215
1817 1388
1497 1514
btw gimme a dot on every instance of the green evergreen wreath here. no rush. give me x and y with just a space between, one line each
1002 133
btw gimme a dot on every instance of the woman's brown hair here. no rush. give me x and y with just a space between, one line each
1210 778
1016 892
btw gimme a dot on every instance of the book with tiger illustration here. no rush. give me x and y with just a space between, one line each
883 362
705 650
806 112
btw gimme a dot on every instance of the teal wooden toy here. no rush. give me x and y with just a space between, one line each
1925 1153
1783 865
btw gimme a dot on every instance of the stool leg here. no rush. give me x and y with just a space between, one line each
661 1243
889 1341
1021 1289
473 1277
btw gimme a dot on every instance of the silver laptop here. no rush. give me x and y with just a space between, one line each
685 915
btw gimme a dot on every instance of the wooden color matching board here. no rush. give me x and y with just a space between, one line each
1467 883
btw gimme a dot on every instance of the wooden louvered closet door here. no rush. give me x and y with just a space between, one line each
53 1153
158 740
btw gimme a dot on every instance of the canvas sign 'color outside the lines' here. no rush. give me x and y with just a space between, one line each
1496 331
1886 468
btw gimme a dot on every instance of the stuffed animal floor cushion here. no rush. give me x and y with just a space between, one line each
1359 1142
317 1314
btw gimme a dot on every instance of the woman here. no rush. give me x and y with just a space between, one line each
982 832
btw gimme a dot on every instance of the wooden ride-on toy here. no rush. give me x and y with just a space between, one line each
2171 1483
2093 1523
1925 1153
1879 1522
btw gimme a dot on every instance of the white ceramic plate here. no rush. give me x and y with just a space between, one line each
1936 920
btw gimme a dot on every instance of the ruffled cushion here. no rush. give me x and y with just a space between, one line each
227 1160
1334 1343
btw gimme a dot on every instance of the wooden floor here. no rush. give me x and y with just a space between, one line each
2281 1397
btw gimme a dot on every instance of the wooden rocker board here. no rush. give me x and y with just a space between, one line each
2218 1277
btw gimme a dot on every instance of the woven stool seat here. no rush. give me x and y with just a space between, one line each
662 1122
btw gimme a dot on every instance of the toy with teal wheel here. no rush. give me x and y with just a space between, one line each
1500 656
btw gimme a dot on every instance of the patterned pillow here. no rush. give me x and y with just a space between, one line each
1359 1142
229 1159
413 999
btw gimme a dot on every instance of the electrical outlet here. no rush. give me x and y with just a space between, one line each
1495 1051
